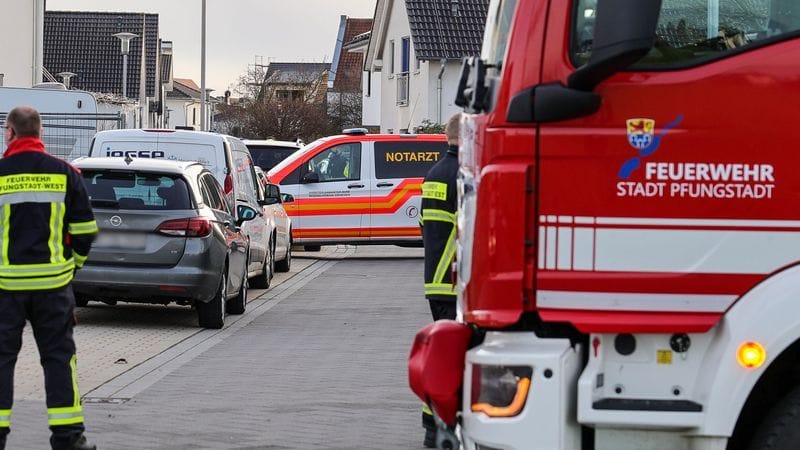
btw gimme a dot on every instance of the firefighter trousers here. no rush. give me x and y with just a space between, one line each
51 315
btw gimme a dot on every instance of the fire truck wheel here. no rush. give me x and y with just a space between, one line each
781 428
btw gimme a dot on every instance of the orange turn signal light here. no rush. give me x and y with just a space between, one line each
751 355
506 411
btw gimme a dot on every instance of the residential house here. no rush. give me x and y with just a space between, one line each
344 81
417 46
307 82
83 43
18 55
183 105
370 84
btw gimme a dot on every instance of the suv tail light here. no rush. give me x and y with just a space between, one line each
185 227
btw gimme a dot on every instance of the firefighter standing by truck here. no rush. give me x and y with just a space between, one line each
438 221
47 229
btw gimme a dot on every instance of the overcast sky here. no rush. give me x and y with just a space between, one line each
238 30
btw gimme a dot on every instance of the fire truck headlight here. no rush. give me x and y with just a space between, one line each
500 391
751 355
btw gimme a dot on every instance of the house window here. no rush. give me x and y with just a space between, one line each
405 56
391 57
369 83
194 116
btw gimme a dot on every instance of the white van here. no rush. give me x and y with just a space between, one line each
230 162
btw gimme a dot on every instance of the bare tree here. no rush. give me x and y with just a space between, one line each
279 105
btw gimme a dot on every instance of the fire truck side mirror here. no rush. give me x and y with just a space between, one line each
624 32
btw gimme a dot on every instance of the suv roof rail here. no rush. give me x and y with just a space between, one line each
355 131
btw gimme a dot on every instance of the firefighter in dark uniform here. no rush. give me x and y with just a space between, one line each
46 230
438 221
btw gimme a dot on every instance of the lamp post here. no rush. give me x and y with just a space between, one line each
65 77
125 44
203 94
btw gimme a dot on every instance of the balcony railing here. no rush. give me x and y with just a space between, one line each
402 88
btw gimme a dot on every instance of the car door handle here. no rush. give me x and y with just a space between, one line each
355 186
385 184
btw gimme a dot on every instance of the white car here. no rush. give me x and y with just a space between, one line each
278 221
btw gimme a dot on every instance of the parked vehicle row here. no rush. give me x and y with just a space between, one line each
188 217
184 218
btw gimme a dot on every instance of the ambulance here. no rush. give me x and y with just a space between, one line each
358 188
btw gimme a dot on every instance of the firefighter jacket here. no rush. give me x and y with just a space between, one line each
46 221
438 221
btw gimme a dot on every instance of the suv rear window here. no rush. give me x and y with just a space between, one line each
136 190
268 156
407 159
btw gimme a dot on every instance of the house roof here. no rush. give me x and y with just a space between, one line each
82 42
283 72
346 73
448 29
184 88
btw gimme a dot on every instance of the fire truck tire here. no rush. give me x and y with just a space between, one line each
781 429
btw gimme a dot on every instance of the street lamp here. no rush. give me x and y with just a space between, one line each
125 43
65 77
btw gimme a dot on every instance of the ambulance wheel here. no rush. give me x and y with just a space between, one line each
781 429
286 263
312 248
212 314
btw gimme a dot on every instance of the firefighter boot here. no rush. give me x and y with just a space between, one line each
430 429
82 444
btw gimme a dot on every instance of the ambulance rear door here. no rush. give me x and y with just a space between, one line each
398 170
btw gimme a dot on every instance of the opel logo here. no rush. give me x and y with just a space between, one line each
115 221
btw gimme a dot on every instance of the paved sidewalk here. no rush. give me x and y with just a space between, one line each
319 364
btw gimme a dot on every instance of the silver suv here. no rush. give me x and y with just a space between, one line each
166 235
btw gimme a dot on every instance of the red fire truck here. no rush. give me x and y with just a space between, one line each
629 231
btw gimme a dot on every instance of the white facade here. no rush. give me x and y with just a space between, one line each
425 100
183 113
18 54
371 99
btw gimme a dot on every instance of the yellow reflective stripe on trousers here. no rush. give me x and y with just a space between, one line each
5 418
438 215
447 257
434 190
36 270
37 283
33 182
83 227
439 289
71 414
426 409
79 259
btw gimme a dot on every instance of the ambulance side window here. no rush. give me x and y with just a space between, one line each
691 32
338 163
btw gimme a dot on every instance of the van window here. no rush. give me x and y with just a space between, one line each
136 190
694 31
402 159
268 156
212 193
205 154
338 163
245 176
